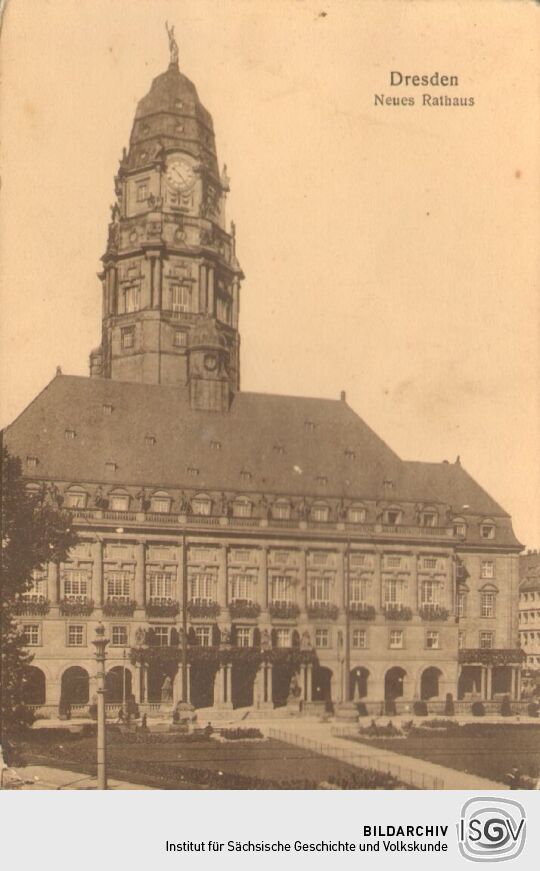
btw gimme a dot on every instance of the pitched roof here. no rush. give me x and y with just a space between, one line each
286 445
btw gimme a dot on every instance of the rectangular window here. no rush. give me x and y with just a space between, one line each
358 590
432 639
393 593
76 585
486 640
161 634
203 636
319 558
119 636
75 500
281 511
461 640
322 638
142 192
319 513
357 515
37 592
30 633
430 562
180 339
393 562
160 505
396 639
487 531
461 604
359 560
428 518
160 586
487 568
319 591
241 586
430 593
393 518
201 507
487 605
202 587
460 529
75 636
127 337
118 586
242 556
180 298
243 636
242 509
132 301
281 590
359 639
283 638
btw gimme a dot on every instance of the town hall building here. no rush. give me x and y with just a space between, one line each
308 564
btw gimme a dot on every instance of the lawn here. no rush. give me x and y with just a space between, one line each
169 762
490 750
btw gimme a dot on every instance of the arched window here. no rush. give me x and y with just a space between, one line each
242 507
356 514
75 497
119 500
201 504
281 509
160 502
320 512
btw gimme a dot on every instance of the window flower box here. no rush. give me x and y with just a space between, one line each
433 612
397 612
284 610
323 611
69 608
359 611
240 608
114 608
203 609
32 607
162 608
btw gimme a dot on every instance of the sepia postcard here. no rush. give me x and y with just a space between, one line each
271 409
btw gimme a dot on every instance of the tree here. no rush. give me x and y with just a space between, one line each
34 531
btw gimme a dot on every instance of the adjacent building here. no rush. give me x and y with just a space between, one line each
309 563
529 619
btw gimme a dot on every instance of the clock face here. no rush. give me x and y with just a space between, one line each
210 362
180 175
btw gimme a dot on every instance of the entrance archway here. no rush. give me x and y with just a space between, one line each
202 684
242 684
322 684
160 684
358 683
33 686
429 683
75 686
393 683
282 674
470 682
114 685
501 680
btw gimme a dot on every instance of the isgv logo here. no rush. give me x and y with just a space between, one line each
491 829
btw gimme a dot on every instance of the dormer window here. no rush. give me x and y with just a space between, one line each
246 475
150 440
322 479
242 508
142 190
281 509
487 529
428 518
393 516
459 528
201 505
192 471
279 449
215 446
309 425
160 503
119 502
356 514
107 408
32 462
350 454
70 434
320 513
111 467
76 498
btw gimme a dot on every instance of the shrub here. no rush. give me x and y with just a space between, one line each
506 710
449 708
241 734
532 709
420 709
478 709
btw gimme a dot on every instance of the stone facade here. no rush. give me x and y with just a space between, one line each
307 562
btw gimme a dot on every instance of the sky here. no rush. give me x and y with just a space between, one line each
389 251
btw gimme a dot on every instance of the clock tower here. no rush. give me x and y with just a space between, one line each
171 280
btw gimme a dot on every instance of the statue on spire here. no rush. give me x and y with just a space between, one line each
173 45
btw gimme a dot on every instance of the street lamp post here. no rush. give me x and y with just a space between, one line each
100 643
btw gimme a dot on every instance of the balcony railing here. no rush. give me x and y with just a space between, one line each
431 611
283 610
162 606
361 611
395 611
322 611
32 606
76 606
119 607
203 608
244 608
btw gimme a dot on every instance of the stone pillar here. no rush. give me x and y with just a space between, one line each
309 682
269 686
342 578
236 302
188 683
489 675
159 282
483 682
211 303
415 583
97 573
303 682
222 594
264 593
136 687
303 580
53 690
228 684
144 683
378 581
52 583
518 683
140 592
219 683
513 684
